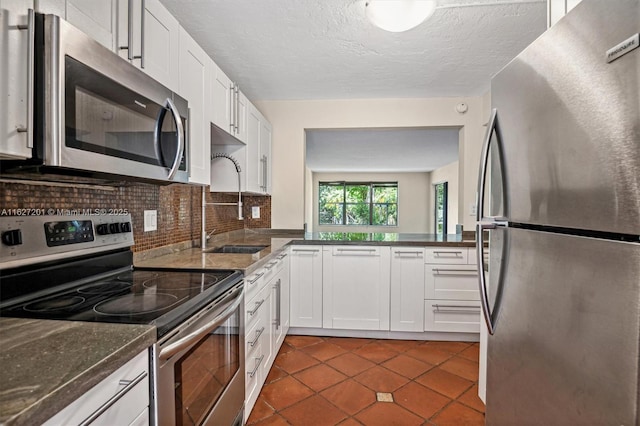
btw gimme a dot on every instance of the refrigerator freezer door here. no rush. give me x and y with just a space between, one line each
565 351
570 123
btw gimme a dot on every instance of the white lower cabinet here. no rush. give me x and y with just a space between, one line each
355 287
407 289
97 407
452 316
265 325
306 286
452 299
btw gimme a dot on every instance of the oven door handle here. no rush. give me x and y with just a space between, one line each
193 337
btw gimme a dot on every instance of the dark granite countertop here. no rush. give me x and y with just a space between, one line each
276 241
46 365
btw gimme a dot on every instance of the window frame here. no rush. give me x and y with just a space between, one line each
371 185
445 204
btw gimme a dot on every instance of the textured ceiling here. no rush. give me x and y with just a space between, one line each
326 49
380 150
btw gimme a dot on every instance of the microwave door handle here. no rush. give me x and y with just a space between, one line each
30 27
180 131
157 136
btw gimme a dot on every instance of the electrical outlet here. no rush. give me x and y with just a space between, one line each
255 212
472 208
150 220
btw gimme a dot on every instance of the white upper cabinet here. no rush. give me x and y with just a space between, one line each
221 99
355 287
230 108
556 9
148 36
258 152
16 127
265 155
196 70
97 18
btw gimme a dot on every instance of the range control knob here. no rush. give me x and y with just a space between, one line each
114 228
103 229
12 238
125 227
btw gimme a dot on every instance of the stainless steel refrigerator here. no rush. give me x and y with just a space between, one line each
559 225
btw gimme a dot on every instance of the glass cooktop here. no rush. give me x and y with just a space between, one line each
133 297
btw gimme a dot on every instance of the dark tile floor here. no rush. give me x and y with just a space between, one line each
331 381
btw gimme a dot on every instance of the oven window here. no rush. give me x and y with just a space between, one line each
105 117
204 372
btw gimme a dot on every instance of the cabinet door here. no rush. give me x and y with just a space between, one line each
222 100
306 286
242 106
160 44
285 290
14 84
253 171
195 84
356 281
265 155
407 289
268 312
96 18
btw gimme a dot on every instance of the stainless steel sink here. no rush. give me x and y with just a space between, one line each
238 249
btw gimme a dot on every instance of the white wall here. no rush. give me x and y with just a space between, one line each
448 173
414 214
291 118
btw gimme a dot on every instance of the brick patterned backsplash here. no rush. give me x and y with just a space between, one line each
179 207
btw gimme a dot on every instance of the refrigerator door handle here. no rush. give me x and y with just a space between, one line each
484 159
488 314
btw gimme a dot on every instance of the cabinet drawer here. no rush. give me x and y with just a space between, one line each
472 257
452 315
451 282
255 307
453 255
123 412
254 336
253 283
253 379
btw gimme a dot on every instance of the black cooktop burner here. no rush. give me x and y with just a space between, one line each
108 287
63 302
136 304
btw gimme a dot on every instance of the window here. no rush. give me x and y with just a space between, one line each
358 203
441 208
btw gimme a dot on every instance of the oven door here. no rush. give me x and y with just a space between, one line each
95 112
199 367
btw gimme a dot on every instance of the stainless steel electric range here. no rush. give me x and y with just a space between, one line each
80 268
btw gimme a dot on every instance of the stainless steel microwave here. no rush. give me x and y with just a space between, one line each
97 114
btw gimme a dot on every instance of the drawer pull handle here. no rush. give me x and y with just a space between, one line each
356 249
256 278
128 385
455 308
455 253
258 334
255 309
255 369
282 256
455 271
418 253
306 250
270 265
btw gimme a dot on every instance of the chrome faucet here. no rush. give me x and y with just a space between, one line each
206 236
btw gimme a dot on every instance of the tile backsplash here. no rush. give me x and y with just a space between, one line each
179 207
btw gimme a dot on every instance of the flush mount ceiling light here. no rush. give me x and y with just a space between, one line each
399 15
